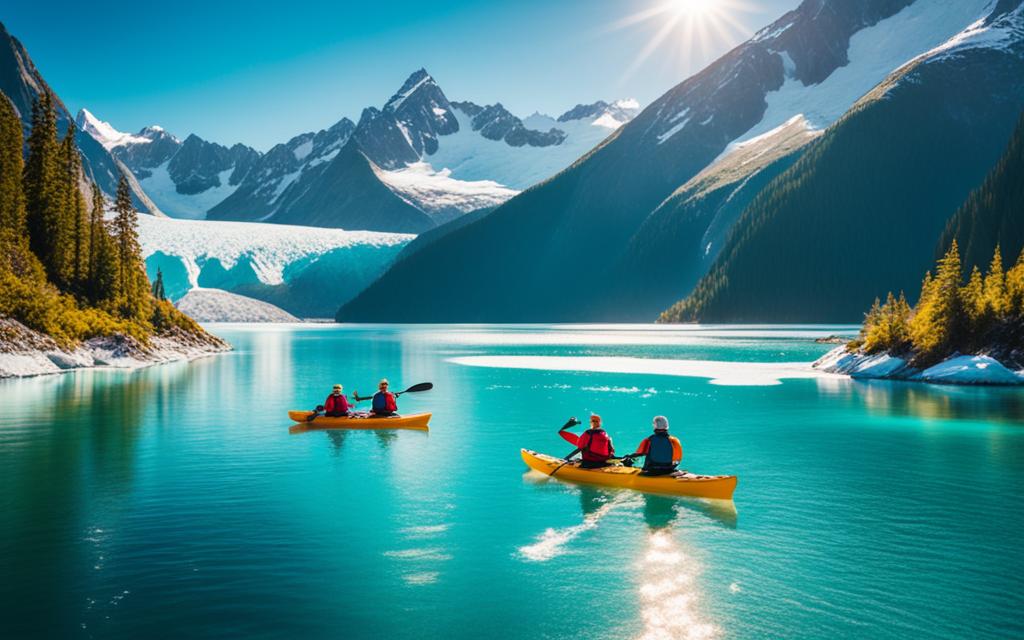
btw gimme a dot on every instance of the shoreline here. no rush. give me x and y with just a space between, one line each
964 370
25 353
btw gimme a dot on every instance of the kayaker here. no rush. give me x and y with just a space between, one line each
385 403
336 404
661 451
595 445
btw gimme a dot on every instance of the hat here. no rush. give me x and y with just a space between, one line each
660 423
338 387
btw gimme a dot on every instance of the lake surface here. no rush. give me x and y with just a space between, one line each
173 502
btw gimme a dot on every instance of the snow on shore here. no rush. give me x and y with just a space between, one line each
217 305
24 352
959 369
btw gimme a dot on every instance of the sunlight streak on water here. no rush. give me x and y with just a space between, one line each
668 596
554 542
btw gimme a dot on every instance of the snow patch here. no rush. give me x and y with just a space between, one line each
436 192
921 26
216 305
471 157
164 192
303 150
104 133
718 372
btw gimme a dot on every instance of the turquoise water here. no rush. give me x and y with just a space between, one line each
173 502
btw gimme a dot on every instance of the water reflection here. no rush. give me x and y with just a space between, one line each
935 402
668 593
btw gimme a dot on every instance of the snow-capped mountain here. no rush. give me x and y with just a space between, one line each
440 157
22 82
185 179
691 162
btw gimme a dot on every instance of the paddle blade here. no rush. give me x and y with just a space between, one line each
423 386
570 437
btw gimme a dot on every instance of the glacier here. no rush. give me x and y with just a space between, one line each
307 271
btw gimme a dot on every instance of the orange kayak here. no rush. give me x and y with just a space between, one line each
416 421
678 484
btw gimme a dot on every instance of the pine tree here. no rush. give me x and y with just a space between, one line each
995 286
102 268
74 239
133 295
938 317
41 183
1015 290
12 198
158 285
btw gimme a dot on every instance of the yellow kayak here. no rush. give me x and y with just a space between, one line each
679 484
416 421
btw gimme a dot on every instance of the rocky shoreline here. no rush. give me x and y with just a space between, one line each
25 353
957 369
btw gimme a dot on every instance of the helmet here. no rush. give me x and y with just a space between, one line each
338 387
660 423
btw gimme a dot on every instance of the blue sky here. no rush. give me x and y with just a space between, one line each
242 72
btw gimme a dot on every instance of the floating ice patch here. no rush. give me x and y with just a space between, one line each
722 373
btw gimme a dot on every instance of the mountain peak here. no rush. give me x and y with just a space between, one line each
418 80
105 133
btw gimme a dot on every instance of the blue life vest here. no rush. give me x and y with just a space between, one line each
660 453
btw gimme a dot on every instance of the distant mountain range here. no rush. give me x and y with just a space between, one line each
802 173
418 162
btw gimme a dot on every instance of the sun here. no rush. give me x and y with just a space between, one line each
691 7
688 31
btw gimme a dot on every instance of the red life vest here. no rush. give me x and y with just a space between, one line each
595 445
336 404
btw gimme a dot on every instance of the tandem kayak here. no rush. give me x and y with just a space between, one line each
416 421
679 484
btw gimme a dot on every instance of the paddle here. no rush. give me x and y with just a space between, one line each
416 388
314 413
568 459
569 436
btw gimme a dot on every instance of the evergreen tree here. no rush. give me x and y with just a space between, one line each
995 286
158 285
1015 290
132 289
938 317
74 245
43 206
12 198
102 261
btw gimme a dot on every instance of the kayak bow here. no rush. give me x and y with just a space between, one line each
679 484
416 421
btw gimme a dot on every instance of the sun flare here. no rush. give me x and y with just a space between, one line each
691 7
686 32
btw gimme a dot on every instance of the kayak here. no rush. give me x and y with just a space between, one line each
416 421
681 483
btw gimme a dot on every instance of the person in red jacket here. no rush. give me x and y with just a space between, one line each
336 404
595 445
661 451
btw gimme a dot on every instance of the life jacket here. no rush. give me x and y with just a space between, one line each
660 452
384 402
595 445
336 404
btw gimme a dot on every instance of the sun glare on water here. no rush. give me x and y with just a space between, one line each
687 32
